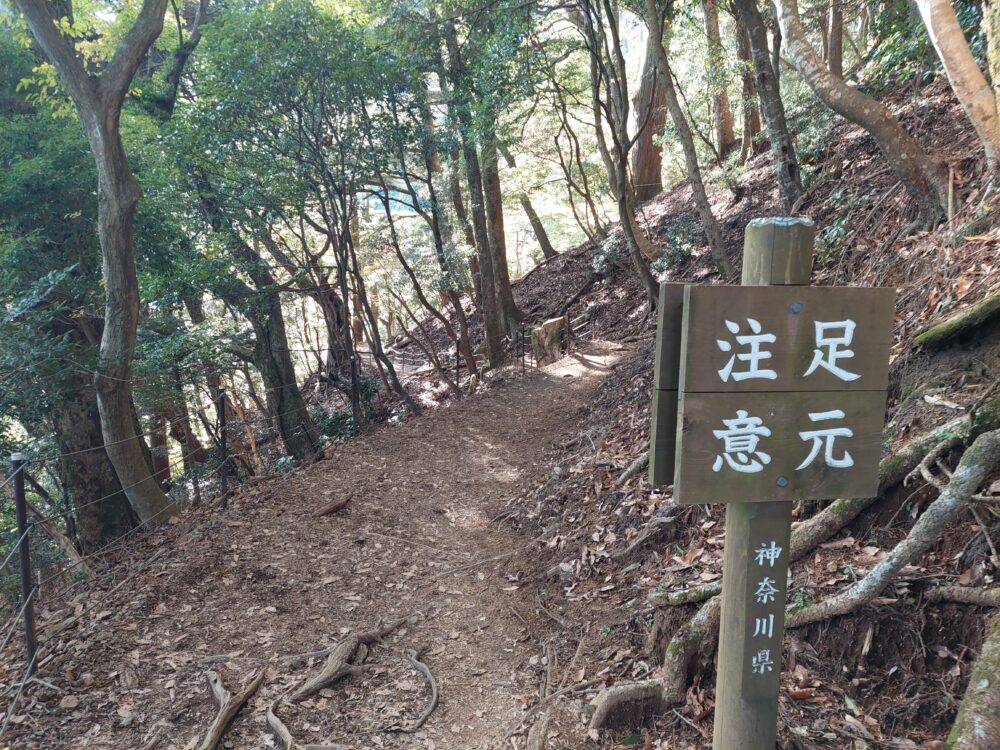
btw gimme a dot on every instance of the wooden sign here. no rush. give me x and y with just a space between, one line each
781 393
666 377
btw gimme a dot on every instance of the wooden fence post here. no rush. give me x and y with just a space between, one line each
24 554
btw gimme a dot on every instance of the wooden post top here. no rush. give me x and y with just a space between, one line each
778 250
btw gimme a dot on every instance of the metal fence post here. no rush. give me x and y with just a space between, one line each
223 446
24 553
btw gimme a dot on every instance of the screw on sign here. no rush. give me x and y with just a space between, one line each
764 394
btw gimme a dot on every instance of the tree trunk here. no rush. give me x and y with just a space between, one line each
655 23
536 225
159 451
751 113
722 113
963 71
786 166
977 726
101 508
474 177
991 22
284 400
510 316
98 102
647 159
835 38
924 180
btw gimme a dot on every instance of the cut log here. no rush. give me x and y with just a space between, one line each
977 726
229 706
960 325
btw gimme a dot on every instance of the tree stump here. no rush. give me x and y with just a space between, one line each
547 340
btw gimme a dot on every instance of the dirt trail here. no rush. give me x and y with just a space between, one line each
267 579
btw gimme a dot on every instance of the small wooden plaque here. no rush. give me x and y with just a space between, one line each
769 467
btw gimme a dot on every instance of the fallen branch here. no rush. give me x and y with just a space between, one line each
640 463
431 704
964 595
660 526
978 462
333 507
960 324
339 663
977 726
229 706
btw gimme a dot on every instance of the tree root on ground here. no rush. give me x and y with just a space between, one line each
978 462
977 726
229 706
342 660
699 634
633 701
659 527
537 735
431 704
964 595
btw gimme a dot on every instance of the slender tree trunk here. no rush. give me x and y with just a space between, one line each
159 451
510 316
991 23
925 180
655 23
963 71
786 166
487 282
529 211
647 158
751 112
835 38
722 113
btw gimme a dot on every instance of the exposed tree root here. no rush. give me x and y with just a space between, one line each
342 660
977 726
634 468
964 595
229 706
628 704
537 735
978 462
697 635
694 595
333 507
284 737
431 704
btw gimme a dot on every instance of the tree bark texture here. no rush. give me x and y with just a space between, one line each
967 80
835 38
647 158
786 165
750 109
722 113
506 306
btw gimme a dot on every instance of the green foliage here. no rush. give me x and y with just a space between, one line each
681 239
902 50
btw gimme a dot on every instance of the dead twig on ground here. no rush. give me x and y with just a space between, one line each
334 506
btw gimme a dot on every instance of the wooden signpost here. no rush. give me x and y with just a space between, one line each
766 393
